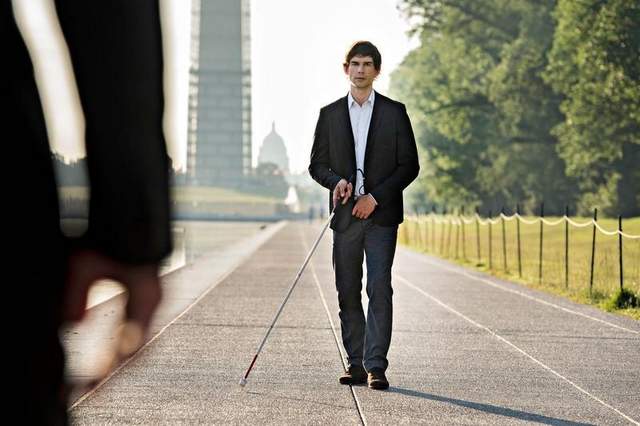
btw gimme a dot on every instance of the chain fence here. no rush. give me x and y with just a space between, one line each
560 252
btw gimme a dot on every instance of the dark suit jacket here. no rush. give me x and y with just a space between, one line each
391 158
116 51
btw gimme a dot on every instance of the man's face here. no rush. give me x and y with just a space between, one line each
361 71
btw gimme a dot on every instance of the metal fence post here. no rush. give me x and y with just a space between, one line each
620 251
417 232
504 241
593 250
541 237
434 243
518 236
566 246
478 235
450 225
490 247
442 232
426 231
457 236
464 240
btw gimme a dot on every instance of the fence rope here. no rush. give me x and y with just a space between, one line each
460 219
580 225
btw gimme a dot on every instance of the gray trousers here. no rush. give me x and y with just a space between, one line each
365 341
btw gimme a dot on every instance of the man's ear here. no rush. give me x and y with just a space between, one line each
345 68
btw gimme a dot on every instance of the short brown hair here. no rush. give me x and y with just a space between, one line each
364 48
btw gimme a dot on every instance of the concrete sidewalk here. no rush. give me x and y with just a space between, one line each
466 349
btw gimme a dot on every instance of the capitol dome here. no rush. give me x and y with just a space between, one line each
274 151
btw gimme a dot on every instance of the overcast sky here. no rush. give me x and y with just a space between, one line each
297 51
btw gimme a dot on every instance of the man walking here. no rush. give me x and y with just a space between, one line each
365 153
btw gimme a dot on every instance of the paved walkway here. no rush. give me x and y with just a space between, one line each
466 349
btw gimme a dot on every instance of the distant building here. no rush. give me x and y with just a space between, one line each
274 151
219 140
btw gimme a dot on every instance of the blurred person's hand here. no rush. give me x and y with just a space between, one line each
141 281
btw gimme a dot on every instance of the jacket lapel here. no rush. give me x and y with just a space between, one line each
376 118
345 126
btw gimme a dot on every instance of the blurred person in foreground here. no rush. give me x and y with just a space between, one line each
116 52
365 153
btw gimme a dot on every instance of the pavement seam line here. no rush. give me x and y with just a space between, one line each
494 334
278 227
359 409
519 293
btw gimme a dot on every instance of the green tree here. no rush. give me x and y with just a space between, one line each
481 109
595 66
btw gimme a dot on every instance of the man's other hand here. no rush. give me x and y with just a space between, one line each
364 207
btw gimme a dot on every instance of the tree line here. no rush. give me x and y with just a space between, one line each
525 101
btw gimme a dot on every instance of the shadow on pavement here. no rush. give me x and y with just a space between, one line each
487 408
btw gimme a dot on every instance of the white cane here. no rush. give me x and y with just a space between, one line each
243 381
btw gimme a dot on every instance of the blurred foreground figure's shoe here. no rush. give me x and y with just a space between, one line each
355 375
377 379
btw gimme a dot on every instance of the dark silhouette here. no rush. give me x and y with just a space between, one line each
116 52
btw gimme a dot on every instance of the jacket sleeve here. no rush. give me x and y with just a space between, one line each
116 52
319 168
407 167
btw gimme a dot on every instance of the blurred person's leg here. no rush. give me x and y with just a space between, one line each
116 52
33 242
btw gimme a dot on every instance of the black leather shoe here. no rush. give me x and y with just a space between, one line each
355 375
377 379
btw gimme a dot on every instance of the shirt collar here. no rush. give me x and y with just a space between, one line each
351 100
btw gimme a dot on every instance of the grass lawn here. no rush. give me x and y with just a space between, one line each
188 194
444 240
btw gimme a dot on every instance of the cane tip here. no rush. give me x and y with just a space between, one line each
243 382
